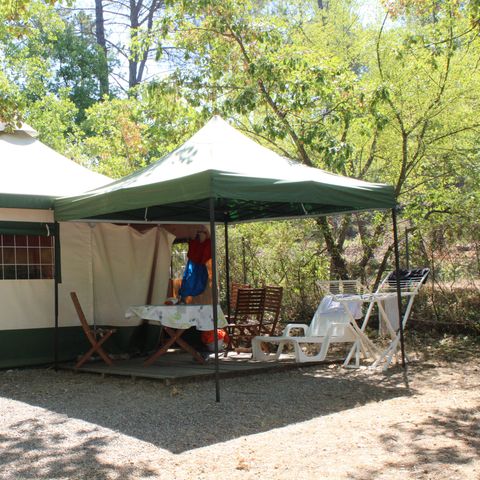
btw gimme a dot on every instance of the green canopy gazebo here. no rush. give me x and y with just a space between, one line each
221 176
245 180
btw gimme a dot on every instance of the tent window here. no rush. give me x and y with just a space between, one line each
26 257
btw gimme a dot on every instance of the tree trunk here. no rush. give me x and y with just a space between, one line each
100 36
338 267
133 60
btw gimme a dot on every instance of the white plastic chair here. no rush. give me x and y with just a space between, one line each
330 324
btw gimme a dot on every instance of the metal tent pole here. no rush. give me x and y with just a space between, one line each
227 269
407 249
397 276
244 262
214 293
58 279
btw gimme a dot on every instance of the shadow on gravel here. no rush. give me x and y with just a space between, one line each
426 457
176 418
65 463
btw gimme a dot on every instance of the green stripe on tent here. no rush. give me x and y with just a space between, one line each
14 200
27 228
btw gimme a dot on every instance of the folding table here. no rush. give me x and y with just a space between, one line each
175 320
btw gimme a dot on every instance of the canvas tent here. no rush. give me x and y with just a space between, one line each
34 174
105 264
221 176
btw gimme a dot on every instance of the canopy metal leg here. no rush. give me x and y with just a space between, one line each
214 293
399 293
227 270
58 279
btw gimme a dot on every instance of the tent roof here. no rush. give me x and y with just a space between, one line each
34 174
247 181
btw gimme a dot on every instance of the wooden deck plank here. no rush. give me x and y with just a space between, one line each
179 366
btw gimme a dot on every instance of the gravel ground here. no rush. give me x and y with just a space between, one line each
315 423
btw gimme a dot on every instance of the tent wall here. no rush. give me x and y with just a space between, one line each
77 272
26 304
123 262
108 266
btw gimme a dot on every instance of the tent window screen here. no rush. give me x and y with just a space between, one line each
26 257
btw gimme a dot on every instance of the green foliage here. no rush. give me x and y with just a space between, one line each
123 135
280 253
249 62
171 120
78 62
11 102
18 26
54 118
115 140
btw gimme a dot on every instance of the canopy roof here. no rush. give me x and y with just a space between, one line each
32 174
247 181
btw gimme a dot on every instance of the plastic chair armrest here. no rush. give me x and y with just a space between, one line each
293 326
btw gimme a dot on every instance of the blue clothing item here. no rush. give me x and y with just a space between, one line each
194 281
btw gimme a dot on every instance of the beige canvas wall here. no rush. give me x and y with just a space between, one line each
123 262
109 267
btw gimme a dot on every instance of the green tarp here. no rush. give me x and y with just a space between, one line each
247 181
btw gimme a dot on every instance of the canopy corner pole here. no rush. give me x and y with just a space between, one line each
397 283
214 294
227 270
58 280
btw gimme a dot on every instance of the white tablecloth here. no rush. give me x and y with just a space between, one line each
178 316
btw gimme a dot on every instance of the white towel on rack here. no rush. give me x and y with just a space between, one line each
390 306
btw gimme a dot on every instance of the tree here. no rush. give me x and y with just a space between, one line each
78 64
102 43
263 68
123 135
382 115
54 117
124 30
16 24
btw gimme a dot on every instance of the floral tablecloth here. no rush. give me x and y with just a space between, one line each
178 316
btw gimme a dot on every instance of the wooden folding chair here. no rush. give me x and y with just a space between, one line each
247 318
273 304
96 337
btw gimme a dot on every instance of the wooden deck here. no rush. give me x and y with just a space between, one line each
179 366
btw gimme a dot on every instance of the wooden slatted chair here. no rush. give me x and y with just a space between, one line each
234 295
272 307
247 318
96 337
